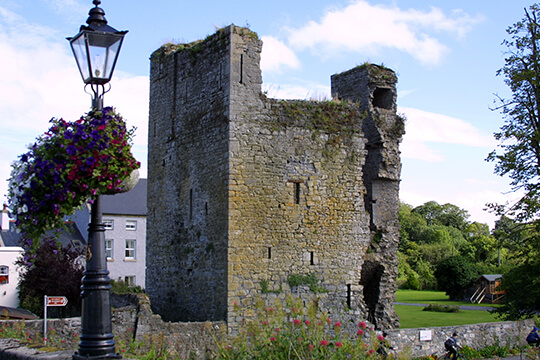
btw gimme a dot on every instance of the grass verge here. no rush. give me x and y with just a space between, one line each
414 317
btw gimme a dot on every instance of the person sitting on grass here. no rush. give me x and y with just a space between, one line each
533 339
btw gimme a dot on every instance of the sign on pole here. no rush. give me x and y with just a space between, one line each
57 301
51 301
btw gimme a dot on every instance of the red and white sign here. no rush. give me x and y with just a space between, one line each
57 301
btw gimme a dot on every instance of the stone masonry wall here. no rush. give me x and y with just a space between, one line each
187 181
246 193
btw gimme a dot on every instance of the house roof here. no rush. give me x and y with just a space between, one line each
132 202
491 277
12 238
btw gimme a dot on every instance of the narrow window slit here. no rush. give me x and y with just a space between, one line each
269 252
190 204
312 258
297 193
349 296
241 68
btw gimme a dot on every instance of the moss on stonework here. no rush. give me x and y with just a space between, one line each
194 48
379 72
319 116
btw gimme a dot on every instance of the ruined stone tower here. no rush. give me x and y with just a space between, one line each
253 197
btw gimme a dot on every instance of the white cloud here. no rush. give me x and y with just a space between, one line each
276 54
362 27
297 91
423 127
40 80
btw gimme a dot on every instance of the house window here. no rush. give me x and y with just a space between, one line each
131 224
109 224
129 280
4 274
77 245
109 248
130 249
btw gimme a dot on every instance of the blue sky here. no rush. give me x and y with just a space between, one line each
446 54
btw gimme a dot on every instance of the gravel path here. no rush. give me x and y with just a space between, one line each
462 307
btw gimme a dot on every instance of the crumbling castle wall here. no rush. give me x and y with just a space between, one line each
251 197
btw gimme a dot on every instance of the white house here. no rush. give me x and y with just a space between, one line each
9 274
124 216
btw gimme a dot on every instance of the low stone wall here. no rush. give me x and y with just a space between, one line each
427 341
132 318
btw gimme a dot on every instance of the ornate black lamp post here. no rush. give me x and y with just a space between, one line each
96 48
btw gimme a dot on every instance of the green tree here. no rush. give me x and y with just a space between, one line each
519 153
455 275
522 285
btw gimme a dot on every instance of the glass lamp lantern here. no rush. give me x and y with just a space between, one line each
96 47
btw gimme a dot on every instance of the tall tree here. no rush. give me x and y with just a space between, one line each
519 150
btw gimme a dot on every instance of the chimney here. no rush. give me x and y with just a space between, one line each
5 219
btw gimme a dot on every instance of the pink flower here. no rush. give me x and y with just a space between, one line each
360 332
276 330
265 322
324 342
362 325
328 320
338 344
294 310
272 338
371 351
380 337
270 310
311 347
337 324
300 339
297 322
307 322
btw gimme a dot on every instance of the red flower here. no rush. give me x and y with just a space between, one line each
324 342
371 351
307 322
272 338
337 324
360 332
380 337
362 325
338 344
297 322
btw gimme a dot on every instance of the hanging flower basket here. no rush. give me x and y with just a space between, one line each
70 164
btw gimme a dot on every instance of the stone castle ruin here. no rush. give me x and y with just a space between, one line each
251 197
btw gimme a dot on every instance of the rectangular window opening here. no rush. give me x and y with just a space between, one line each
109 224
349 296
109 248
129 280
131 225
269 252
297 193
130 249
312 258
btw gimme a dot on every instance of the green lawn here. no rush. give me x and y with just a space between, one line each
414 317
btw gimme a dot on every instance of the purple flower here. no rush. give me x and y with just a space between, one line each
71 149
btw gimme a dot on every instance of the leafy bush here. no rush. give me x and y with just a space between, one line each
290 331
441 308
49 268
